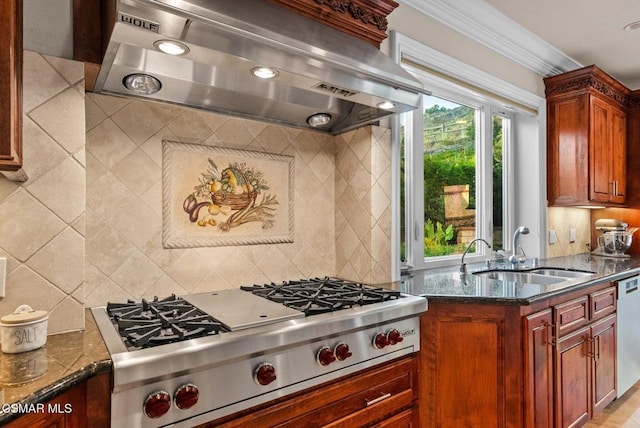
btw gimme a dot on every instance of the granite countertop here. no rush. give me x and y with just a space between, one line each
448 284
66 360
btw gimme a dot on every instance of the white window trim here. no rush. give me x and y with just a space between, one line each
484 182
404 48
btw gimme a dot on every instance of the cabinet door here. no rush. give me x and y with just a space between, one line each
568 151
539 370
601 181
11 85
573 379
618 155
604 363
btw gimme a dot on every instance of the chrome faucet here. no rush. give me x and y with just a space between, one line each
513 258
463 266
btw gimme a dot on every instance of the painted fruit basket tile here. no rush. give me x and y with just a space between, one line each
217 196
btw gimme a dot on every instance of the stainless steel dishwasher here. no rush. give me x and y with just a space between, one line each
628 333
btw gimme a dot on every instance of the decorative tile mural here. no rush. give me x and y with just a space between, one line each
217 196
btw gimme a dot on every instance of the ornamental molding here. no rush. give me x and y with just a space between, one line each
357 11
586 83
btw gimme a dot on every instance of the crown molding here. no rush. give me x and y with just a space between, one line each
481 22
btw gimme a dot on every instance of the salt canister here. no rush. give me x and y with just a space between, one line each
23 330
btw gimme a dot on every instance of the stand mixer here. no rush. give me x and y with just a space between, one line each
614 238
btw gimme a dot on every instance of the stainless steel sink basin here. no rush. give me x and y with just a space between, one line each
521 277
563 273
541 276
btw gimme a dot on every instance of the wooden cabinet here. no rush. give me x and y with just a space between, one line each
85 405
586 139
585 356
384 396
11 85
501 365
539 369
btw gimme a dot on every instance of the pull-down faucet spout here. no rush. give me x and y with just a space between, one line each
513 258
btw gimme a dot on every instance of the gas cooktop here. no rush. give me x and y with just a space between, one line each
184 361
150 323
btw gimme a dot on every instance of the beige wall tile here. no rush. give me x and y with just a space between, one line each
42 81
61 261
62 190
26 225
69 133
41 153
108 143
25 287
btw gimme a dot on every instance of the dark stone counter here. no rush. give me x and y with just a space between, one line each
448 284
66 360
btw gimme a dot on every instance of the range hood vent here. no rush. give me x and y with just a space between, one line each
318 71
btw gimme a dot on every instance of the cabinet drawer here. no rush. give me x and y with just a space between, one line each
602 303
571 315
357 400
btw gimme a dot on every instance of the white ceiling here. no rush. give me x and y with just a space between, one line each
588 31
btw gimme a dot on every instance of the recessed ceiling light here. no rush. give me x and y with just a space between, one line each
171 47
318 119
632 26
264 72
142 84
386 105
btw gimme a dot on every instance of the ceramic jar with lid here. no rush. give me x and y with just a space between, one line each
23 330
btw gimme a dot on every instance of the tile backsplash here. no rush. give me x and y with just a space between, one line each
341 196
70 248
562 220
42 219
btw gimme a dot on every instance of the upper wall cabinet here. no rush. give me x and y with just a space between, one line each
586 139
11 85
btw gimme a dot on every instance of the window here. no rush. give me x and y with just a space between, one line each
454 169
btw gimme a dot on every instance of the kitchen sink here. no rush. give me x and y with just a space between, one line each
563 273
541 276
520 277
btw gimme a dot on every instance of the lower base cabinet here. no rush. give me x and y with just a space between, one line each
384 396
548 364
86 405
585 372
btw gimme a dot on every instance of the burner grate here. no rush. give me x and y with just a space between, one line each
160 321
321 295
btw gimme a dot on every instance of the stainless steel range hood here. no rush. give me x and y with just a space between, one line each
319 70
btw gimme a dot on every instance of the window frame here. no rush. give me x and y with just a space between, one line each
414 182
529 107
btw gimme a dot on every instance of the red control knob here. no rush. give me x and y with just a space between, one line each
342 351
157 404
265 374
394 337
380 341
325 356
186 396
